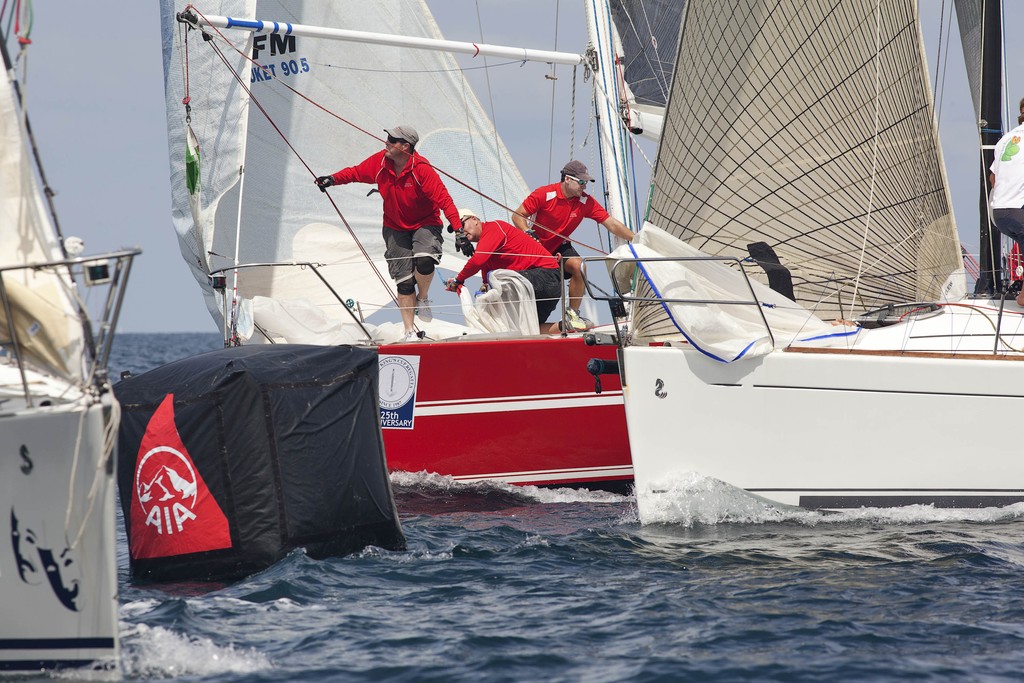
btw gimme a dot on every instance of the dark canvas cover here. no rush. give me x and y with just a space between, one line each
228 460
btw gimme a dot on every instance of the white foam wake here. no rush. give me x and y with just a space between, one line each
696 499
157 652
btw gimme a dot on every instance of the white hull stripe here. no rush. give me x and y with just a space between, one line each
430 408
551 475
524 397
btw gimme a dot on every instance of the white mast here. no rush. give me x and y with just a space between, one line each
604 46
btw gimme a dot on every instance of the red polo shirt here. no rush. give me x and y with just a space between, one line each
503 245
559 214
412 198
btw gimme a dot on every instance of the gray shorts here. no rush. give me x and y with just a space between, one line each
402 246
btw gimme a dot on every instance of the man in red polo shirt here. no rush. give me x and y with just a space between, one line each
501 245
557 211
413 194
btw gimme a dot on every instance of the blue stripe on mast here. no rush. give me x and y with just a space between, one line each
244 23
259 26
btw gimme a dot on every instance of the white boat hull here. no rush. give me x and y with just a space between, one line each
58 567
826 429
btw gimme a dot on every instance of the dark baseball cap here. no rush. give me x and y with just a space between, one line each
577 169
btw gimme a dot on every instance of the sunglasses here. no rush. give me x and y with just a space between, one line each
581 183
397 140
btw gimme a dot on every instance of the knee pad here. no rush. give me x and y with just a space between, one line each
424 265
406 287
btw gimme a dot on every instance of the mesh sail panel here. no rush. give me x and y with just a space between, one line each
808 126
649 32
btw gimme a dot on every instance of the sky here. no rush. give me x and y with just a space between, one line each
95 94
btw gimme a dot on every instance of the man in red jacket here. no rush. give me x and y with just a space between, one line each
557 211
501 245
413 195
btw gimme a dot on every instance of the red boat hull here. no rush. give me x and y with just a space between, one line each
522 411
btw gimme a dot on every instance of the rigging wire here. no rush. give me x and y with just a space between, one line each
941 60
418 71
494 115
3 10
874 151
28 16
553 77
572 120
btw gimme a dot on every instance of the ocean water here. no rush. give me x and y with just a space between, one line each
501 583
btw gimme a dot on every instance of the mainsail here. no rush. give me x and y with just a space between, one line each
808 126
261 143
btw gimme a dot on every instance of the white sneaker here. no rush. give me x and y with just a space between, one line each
410 337
423 310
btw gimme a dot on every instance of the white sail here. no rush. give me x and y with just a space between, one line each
49 330
317 106
58 566
808 126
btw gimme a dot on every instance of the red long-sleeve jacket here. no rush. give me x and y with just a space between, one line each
412 198
503 245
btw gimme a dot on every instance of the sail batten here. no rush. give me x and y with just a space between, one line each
809 126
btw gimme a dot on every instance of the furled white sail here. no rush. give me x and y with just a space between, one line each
46 320
808 126
259 154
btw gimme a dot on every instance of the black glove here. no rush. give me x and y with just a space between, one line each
324 181
463 244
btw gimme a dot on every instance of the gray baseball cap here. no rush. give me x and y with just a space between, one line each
407 133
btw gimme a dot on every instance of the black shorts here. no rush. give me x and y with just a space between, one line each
567 251
547 287
1010 222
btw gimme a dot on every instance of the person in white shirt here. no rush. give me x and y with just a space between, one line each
1007 195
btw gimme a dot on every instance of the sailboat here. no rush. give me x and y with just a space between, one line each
58 419
801 327
260 100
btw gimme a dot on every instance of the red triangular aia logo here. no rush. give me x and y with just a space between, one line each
172 511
